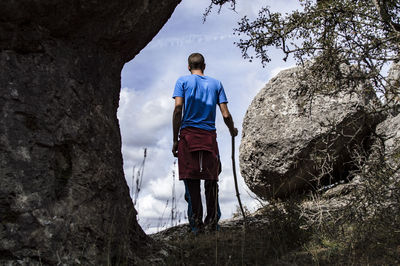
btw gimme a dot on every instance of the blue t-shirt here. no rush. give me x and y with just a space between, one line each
201 95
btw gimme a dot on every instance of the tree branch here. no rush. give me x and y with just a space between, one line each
381 7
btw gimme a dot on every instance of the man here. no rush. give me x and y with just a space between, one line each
196 96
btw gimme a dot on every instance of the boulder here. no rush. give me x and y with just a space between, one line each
392 90
389 133
293 141
63 195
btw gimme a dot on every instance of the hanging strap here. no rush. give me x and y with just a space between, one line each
201 160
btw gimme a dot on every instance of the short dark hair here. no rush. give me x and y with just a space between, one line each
196 61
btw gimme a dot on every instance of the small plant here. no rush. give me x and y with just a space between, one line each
174 211
137 178
238 212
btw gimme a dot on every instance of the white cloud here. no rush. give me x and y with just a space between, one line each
188 40
275 71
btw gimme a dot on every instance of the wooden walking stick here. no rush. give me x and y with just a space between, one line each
235 178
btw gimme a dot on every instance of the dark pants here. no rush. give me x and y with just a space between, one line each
195 207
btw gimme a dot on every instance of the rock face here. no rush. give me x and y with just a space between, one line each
392 92
375 187
63 196
389 130
291 143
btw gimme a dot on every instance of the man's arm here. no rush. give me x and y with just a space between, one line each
176 123
228 119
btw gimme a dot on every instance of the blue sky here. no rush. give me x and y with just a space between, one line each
146 105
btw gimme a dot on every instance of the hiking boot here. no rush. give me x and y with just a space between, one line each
197 230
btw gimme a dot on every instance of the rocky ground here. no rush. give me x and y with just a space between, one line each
301 231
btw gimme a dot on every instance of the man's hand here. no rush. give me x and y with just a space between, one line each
228 119
175 149
234 132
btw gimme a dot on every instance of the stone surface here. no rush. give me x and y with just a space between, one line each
393 90
291 143
375 187
63 195
389 131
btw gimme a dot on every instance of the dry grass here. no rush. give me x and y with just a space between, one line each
281 235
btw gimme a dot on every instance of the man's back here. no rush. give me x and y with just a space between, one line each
201 95
196 96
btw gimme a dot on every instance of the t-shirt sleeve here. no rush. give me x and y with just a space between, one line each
178 91
221 94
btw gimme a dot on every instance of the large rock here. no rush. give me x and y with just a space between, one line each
291 143
63 196
389 132
392 90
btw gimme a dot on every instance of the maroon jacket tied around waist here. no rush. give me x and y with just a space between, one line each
198 156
